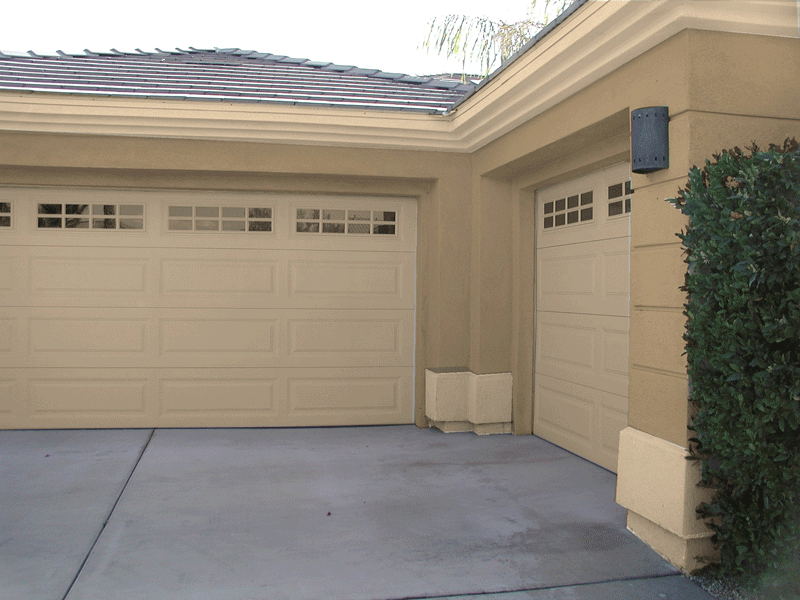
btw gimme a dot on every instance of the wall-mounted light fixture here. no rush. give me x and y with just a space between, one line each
649 139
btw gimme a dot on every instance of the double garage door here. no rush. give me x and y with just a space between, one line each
582 314
166 309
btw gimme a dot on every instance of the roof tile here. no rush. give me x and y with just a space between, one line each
225 75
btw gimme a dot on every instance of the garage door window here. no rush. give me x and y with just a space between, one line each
569 211
349 222
91 216
619 199
220 218
5 214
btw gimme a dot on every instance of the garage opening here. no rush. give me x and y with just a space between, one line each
170 309
582 313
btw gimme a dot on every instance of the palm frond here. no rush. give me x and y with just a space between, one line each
485 40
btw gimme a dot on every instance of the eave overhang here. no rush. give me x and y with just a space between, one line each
597 37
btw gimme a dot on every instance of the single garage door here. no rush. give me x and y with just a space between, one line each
166 309
582 314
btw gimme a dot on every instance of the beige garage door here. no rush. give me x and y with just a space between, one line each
582 277
164 309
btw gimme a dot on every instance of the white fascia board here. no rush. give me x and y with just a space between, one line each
599 37
186 119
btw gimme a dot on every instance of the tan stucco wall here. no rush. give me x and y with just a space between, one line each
738 91
704 77
475 260
586 132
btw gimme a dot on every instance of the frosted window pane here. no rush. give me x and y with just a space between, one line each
233 226
207 211
180 211
233 211
131 224
130 209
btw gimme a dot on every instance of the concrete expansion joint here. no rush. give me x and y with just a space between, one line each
108 515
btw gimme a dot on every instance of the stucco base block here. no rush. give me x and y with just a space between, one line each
451 426
480 429
458 400
686 554
659 488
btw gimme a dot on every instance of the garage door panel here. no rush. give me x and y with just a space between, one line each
615 364
342 338
290 279
566 274
565 344
211 276
203 395
111 277
616 272
89 397
9 396
9 277
600 228
584 349
564 411
8 338
88 274
44 276
612 420
292 338
583 420
339 280
589 278
352 394
79 337
101 395
87 336
210 397
207 338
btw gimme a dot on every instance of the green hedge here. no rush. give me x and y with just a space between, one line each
743 346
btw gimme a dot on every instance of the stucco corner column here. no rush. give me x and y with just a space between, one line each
658 486
479 396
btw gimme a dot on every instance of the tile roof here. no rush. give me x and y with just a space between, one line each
227 75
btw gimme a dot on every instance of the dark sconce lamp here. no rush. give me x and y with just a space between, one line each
649 139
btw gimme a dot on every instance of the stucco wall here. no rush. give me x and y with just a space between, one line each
585 132
475 241
706 79
737 91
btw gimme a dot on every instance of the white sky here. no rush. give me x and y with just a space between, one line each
377 34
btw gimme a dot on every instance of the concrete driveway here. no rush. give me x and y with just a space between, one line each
339 513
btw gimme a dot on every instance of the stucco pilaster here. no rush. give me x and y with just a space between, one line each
490 288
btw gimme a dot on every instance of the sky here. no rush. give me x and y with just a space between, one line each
377 34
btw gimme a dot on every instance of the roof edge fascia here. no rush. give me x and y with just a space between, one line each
48 112
591 41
